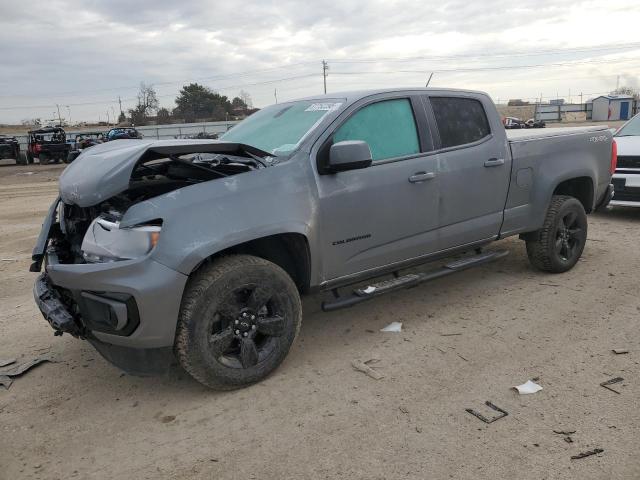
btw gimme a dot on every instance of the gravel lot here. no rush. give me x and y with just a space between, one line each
466 339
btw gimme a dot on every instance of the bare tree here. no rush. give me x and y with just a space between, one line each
634 92
147 104
246 98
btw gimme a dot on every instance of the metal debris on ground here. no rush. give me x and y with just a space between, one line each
15 370
392 327
527 388
564 432
502 413
366 369
611 382
620 351
7 361
449 334
588 453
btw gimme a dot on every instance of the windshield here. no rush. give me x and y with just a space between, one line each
278 129
632 128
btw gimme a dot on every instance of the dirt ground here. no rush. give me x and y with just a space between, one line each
466 339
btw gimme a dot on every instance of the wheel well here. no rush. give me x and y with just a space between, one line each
580 188
290 251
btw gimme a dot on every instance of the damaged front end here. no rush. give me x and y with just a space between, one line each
100 281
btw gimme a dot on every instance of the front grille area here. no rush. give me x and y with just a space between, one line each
628 161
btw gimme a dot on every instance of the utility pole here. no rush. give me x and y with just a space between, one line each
580 97
120 103
325 68
429 81
275 94
59 118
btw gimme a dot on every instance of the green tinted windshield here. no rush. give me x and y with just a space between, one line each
278 129
632 128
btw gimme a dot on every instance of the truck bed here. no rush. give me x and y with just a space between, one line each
537 133
541 159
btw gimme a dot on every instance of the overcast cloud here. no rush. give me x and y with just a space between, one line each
72 52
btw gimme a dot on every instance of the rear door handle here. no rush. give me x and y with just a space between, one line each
494 162
421 177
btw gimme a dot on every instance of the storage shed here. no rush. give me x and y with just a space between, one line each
612 107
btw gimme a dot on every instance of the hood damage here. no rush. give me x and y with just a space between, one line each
106 180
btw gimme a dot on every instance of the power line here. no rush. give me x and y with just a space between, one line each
480 69
171 82
228 87
626 46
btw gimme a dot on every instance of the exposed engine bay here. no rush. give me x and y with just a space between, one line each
92 234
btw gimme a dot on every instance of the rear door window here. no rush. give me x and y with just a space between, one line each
388 127
459 120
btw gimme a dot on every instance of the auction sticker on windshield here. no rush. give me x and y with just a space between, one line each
322 107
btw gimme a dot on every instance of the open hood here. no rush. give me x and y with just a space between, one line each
105 170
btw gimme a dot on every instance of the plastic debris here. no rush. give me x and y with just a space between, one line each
15 370
620 351
527 388
392 327
369 290
588 453
5 381
7 361
366 369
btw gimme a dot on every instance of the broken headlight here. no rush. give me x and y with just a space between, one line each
105 241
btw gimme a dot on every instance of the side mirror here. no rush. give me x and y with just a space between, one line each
349 155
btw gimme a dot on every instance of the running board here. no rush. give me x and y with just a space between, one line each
410 280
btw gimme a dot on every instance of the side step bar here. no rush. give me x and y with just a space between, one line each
410 280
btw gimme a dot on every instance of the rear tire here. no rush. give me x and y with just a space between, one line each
558 245
44 159
29 158
238 319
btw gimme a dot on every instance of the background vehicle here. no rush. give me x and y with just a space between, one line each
513 122
315 194
47 145
10 148
626 179
121 133
82 141
533 123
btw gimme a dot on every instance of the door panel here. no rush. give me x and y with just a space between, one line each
376 216
388 212
474 170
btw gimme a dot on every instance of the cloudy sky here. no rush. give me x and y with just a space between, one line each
83 55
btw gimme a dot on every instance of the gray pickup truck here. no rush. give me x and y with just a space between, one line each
199 250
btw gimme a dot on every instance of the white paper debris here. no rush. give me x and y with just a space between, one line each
527 388
369 290
392 327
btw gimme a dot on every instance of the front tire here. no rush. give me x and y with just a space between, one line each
238 319
558 245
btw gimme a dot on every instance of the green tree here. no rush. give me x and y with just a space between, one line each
197 101
238 103
163 115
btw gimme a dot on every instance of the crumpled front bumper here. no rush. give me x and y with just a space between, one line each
53 309
127 309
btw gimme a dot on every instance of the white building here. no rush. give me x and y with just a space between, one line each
612 107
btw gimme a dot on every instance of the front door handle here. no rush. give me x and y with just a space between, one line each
421 177
494 162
